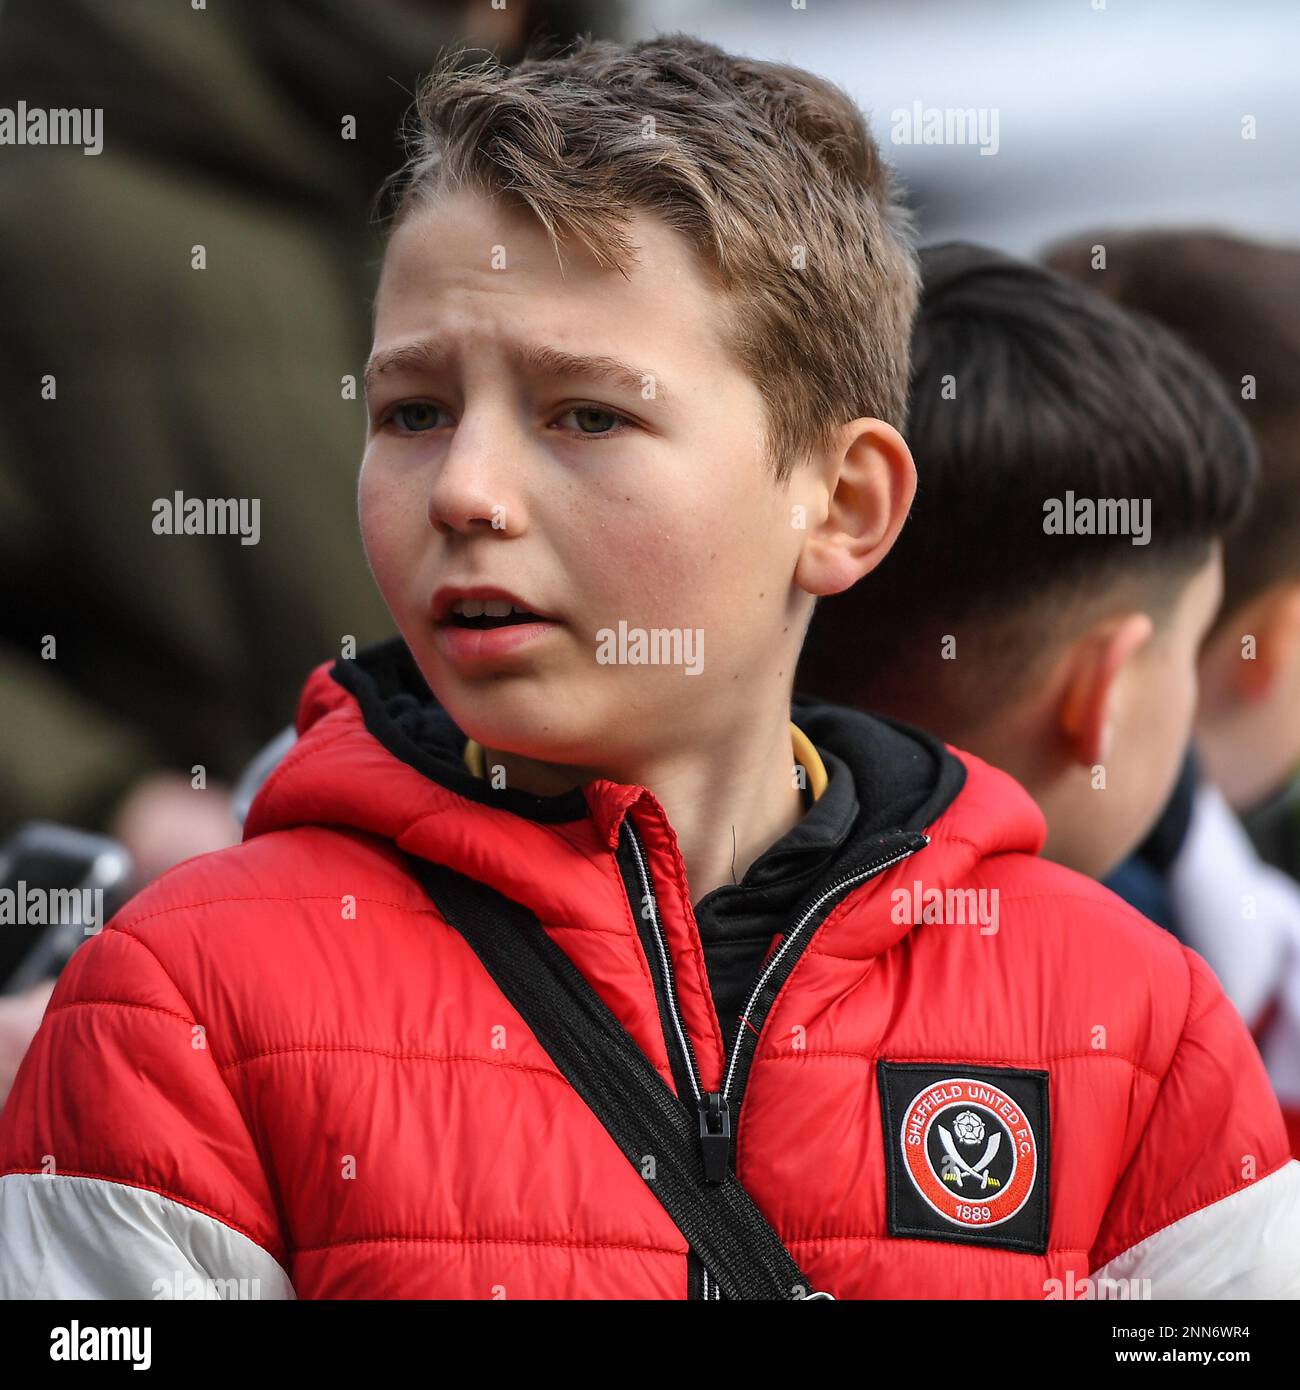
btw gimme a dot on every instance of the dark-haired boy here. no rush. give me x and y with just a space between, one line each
1045 603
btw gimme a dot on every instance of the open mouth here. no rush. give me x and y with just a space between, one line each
484 614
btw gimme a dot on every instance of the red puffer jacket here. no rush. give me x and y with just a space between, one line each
279 1073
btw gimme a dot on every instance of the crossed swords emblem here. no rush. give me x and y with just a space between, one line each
980 1170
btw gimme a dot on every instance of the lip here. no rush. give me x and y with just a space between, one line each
467 644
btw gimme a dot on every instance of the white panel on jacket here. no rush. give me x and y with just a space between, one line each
76 1237
1246 1245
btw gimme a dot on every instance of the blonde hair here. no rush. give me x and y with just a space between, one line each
770 172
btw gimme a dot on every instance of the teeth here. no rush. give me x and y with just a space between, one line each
486 608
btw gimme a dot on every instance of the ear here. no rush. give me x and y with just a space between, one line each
1087 709
865 486
1273 620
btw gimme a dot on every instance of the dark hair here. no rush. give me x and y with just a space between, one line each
770 172
1237 303
1027 387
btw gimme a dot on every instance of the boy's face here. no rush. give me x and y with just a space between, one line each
594 496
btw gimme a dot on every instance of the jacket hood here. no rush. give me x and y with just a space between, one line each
376 753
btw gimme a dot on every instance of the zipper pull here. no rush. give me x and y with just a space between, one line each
715 1136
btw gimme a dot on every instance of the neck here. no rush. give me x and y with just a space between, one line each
728 795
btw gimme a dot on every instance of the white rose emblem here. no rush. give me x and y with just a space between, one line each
968 1127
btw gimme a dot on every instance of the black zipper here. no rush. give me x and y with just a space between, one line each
718 1111
895 847
639 886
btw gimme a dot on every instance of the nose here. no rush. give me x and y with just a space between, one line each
475 485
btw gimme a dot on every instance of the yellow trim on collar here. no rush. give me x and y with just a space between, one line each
804 753
474 758
810 759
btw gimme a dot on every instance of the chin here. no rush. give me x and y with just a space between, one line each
1107 858
516 721
1106 864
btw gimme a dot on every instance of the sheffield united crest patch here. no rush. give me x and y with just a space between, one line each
966 1153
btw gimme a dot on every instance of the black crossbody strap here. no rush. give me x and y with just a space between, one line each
615 1079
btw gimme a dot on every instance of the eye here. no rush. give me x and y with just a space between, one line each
414 417
595 421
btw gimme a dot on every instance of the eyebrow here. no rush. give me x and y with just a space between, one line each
427 355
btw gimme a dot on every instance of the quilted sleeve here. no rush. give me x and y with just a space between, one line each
126 1167
1209 1205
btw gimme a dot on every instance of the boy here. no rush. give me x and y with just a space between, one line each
280 1063
1098 463
1237 303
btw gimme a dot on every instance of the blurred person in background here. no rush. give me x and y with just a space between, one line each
185 312
1237 303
